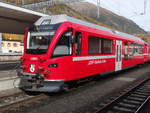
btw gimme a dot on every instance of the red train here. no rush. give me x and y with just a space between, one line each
60 48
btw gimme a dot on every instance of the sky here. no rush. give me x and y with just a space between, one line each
131 9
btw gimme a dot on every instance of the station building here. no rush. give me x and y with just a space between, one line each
11 43
12 46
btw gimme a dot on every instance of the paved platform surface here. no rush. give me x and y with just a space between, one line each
8 80
8 62
9 92
8 74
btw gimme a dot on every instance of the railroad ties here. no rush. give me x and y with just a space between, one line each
130 102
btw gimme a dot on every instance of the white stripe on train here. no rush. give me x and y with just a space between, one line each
92 57
98 57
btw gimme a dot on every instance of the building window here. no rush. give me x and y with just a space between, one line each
99 45
3 44
21 44
15 44
8 45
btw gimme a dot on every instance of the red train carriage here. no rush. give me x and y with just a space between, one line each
60 48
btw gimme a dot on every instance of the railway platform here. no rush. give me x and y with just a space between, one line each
8 80
8 75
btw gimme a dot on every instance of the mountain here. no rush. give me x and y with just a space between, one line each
148 32
64 9
107 17
87 11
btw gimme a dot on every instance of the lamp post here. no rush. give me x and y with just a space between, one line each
98 8
0 42
23 2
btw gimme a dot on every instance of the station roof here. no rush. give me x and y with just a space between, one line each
14 19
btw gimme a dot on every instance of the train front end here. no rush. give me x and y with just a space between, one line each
40 72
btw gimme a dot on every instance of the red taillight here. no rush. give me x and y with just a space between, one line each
40 70
46 73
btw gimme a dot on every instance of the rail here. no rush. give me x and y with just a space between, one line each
129 102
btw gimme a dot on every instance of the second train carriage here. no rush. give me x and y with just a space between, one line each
60 48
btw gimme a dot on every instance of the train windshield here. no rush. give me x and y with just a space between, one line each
38 42
39 38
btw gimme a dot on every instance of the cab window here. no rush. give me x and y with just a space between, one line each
64 45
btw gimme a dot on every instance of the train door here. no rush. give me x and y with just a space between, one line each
78 39
79 66
118 64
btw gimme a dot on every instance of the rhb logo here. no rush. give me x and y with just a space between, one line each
32 68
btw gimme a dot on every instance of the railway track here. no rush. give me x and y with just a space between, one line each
10 99
12 102
131 101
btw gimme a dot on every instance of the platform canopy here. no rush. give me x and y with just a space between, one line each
14 19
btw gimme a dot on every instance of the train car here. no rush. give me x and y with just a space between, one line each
60 48
146 52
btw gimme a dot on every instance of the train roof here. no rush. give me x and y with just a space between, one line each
55 19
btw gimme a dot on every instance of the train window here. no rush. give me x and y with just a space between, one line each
126 51
99 45
64 45
140 49
94 45
106 46
131 50
38 42
135 49
78 39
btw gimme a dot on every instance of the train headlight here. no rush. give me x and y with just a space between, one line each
53 65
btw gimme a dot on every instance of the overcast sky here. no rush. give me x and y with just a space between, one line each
129 9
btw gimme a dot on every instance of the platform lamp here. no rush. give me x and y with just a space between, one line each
23 2
0 42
